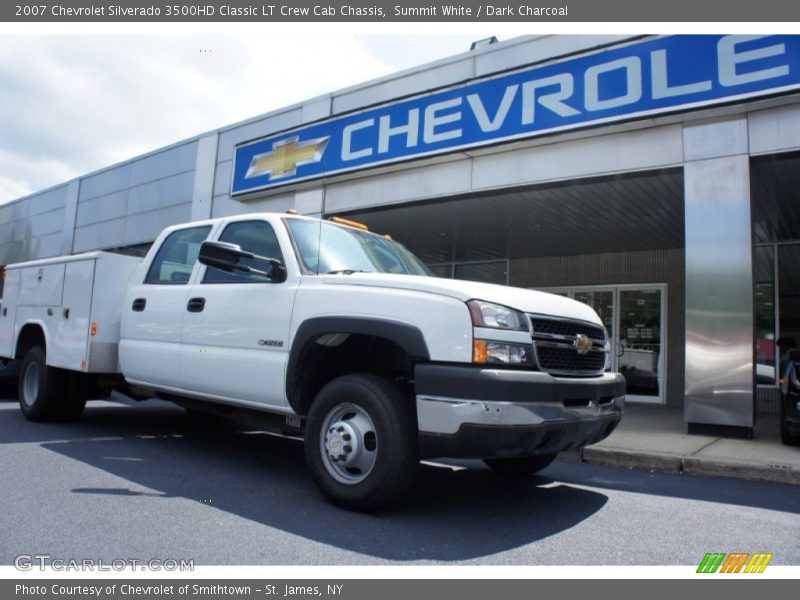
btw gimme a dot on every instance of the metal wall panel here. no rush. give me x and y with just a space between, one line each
44 223
145 227
46 201
31 226
177 159
711 140
169 191
719 292
316 109
131 203
441 179
774 130
631 151
227 207
105 182
203 185
651 266
310 202
70 216
222 179
167 162
102 208
107 234
278 121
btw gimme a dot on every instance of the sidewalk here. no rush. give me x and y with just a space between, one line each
655 438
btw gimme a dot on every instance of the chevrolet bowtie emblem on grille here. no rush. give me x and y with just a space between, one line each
286 156
582 344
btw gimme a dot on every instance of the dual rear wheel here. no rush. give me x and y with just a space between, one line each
48 393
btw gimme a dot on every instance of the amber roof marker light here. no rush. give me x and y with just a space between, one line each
349 223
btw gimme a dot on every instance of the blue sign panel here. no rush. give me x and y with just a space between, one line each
631 81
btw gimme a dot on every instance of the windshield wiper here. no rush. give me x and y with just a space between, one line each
346 271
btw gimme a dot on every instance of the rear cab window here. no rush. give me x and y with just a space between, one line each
177 256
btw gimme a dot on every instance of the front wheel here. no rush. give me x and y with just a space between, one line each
361 442
520 466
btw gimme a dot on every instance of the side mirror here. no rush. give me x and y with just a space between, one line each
229 258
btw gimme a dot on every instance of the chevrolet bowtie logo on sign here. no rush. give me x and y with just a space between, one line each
635 80
736 562
285 156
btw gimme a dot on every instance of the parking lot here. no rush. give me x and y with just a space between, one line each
145 480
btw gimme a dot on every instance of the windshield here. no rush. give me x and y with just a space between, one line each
327 248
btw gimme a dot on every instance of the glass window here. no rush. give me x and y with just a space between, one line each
445 271
257 237
789 296
764 305
175 259
602 301
328 248
489 272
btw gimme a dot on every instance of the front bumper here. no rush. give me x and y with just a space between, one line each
471 412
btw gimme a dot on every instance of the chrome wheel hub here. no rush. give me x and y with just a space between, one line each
30 384
348 444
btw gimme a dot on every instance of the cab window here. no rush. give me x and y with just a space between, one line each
257 237
175 259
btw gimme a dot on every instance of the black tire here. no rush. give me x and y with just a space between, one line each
41 388
787 438
378 423
519 466
81 387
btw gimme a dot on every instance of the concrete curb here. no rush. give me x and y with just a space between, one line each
670 463
631 459
753 471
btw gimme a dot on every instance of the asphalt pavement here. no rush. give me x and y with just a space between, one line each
145 480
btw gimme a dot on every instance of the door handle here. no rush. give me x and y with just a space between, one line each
196 304
139 304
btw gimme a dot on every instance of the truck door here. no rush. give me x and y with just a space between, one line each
236 325
154 307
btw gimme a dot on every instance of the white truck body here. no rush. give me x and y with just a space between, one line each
77 302
334 330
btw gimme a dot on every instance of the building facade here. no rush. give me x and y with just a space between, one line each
656 178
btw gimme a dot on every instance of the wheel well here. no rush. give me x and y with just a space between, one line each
31 335
328 356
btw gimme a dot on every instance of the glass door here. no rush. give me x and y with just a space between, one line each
604 304
634 317
639 347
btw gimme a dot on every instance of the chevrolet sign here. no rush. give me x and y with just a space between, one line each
639 79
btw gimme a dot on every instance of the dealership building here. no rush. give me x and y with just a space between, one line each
656 178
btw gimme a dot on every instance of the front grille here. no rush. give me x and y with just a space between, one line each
567 328
568 360
554 342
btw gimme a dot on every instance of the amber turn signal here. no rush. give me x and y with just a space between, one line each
480 352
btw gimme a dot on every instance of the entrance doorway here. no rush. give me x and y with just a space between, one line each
635 318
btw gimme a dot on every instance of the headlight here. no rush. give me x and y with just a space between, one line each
505 353
496 316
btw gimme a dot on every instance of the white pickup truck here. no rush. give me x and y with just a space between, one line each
323 329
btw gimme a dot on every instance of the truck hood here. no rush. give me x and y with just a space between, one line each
529 301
